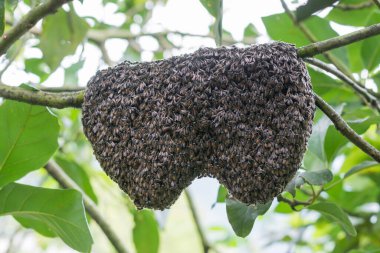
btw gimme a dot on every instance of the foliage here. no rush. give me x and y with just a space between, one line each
335 194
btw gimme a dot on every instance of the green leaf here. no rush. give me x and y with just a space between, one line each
376 79
71 74
319 177
291 186
146 235
28 138
212 6
218 26
60 212
78 174
360 167
370 51
2 16
222 194
280 27
358 17
215 8
242 216
336 214
61 35
38 67
250 31
312 6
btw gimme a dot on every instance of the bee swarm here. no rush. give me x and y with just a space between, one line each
240 115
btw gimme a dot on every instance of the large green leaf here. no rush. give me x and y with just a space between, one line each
78 174
319 177
61 35
28 138
146 235
334 140
370 51
242 216
360 167
336 214
280 27
312 6
49 211
357 17
317 138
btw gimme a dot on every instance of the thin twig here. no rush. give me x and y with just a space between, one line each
339 41
64 88
368 97
350 7
346 130
205 245
66 182
323 46
28 21
377 2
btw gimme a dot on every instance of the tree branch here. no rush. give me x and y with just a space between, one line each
55 100
369 98
66 182
339 41
28 21
346 130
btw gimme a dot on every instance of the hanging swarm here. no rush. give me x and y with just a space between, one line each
240 115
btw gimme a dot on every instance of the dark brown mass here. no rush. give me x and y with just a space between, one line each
241 115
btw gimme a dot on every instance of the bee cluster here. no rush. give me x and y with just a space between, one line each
240 115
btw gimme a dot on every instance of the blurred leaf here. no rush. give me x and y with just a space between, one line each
212 6
353 50
11 4
334 141
358 17
370 51
291 186
215 8
319 177
362 166
250 31
242 216
222 194
60 212
317 138
376 79
37 67
312 6
2 16
283 208
71 73
280 27
28 138
131 54
61 35
336 214
145 232
78 174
